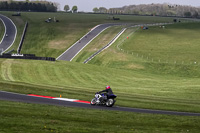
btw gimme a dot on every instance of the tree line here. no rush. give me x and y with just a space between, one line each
153 9
74 9
37 6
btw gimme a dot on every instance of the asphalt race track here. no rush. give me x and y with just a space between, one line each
70 53
10 33
38 100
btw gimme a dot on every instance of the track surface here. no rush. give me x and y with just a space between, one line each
10 30
70 53
39 100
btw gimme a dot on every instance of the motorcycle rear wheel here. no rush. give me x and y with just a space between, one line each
110 102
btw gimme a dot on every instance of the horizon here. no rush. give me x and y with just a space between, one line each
85 7
88 5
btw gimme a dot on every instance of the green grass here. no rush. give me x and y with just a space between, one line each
136 80
173 50
176 43
102 40
79 81
52 39
22 117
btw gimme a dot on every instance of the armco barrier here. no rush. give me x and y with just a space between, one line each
26 56
22 39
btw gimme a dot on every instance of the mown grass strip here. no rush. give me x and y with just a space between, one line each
22 117
79 81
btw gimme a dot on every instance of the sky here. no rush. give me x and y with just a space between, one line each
88 5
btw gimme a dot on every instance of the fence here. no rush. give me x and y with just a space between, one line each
22 38
160 60
26 56
147 57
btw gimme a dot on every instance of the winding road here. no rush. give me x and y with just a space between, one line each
8 96
70 53
9 35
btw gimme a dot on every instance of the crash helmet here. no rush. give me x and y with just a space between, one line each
107 87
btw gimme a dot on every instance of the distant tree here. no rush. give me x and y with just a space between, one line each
95 10
10 1
135 12
19 6
187 14
195 15
24 6
56 5
102 10
12 5
39 7
74 9
51 8
66 8
170 13
112 10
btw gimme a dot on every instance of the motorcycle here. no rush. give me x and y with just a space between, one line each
101 99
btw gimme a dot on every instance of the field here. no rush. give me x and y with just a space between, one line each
31 118
51 39
152 69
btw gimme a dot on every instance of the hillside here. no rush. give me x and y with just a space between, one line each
129 65
153 9
51 39
141 70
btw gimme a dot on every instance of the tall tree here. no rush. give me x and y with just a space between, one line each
196 14
28 6
66 8
95 10
56 5
187 14
102 10
51 8
74 9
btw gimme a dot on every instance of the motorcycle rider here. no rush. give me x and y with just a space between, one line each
108 91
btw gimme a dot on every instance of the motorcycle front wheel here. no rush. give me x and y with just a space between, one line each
110 102
93 101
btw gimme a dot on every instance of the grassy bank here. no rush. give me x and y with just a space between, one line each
135 78
51 39
21 117
175 43
75 80
172 51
